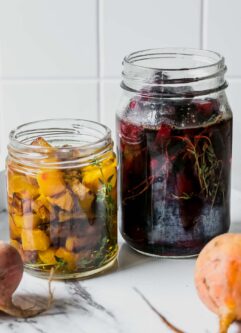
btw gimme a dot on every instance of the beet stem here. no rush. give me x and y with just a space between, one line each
165 321
225 321
51 295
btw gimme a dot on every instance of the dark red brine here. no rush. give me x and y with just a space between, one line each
174 149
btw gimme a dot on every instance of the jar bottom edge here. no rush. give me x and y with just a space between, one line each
163 256
73 276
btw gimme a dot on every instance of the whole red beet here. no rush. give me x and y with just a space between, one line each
11 272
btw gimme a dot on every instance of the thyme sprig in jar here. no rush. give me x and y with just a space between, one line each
62 197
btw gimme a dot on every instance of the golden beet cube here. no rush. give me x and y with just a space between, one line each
50 150
64 216
27 256
19 206
72 259
69 258
64 200
73 243
20 184
86 197
15 231
48 256
34 240
51 182
18 247
41 142
94 176
27 221
43 209
88 239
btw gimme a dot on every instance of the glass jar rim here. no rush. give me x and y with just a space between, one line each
138 56
19 130
62 130
200 72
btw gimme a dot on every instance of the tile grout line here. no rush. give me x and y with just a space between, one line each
2 128
101 57
98 56
201 25
45 80
100 35
48 78
204 24
76 79
2 121
58 79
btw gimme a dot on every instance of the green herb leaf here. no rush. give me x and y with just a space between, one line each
110 178
61 264
100 180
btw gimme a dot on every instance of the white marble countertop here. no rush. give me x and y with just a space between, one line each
109 303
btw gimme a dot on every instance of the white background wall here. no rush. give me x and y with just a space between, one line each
63 57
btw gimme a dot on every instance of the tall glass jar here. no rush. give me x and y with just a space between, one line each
174 129
62 197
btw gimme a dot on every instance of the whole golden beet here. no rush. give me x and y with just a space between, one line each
218 278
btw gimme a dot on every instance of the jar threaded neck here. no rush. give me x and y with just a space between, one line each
174 72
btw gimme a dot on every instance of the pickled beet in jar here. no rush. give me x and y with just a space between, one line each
174 128
62 200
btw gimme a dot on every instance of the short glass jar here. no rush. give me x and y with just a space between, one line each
62 197
174 128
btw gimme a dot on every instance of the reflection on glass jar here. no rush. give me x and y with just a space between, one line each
62 197
174 145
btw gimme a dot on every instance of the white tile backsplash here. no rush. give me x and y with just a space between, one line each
48 38
63 57
110 96
135 25
29 101
223 30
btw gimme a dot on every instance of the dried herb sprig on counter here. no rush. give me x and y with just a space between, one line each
163 319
